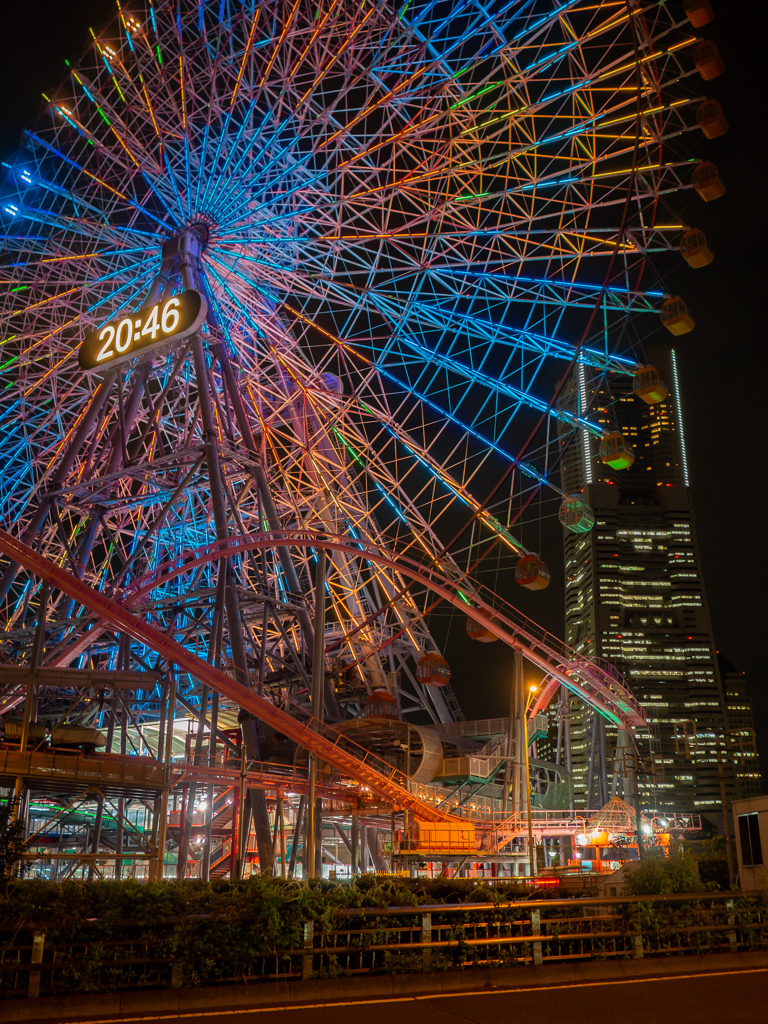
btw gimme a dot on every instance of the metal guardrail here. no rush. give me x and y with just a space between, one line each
391 940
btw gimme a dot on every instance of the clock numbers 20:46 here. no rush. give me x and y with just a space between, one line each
129 331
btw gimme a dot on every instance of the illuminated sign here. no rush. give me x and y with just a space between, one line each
168 320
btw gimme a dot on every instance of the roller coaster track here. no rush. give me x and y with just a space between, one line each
599 687
596 682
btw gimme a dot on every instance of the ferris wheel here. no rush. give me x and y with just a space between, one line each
403 224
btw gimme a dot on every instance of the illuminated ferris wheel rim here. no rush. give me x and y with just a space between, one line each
433 336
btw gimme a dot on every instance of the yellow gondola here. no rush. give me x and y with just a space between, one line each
694 249
649 386
675 316
707 182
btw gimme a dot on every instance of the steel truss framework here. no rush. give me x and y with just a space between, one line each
401 219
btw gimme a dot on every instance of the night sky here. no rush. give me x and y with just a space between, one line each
722 363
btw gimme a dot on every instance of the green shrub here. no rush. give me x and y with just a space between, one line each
656 875
714 872
127 934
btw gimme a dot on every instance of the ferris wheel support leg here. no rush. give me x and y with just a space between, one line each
231 602
119 440
244 425
315 823
160 284
209 794
354 845
186 254
94 408
626 765
283 552
186 835
597 778
519 730
296 837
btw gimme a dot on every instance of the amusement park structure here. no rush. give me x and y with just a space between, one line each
287 292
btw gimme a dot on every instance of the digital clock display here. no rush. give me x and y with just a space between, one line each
168 320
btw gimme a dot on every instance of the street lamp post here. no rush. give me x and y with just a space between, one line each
531 847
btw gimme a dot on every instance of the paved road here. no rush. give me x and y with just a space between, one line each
724 997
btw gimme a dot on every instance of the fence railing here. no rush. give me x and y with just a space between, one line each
172 952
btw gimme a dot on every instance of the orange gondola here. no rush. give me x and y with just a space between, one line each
698 12
381 704
615 452
433 670
711 119
532 573
477 631
707 182
708 61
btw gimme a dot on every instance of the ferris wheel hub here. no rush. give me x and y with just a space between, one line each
192 238
201 228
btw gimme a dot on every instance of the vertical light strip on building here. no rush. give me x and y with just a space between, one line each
584 433
680 418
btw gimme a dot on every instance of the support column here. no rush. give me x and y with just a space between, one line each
730 842
520 737
120 802
280 810
318 685
354 838
627 766
216 483
166 755
243 828
296 835
209 792
157 803
192 790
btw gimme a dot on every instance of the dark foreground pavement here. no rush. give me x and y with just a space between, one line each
722 988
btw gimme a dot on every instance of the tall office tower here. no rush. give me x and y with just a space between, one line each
634 595
741 732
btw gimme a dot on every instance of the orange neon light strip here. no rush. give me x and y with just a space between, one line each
278 44
245 56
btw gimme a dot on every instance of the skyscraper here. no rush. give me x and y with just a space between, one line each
635 596
741 731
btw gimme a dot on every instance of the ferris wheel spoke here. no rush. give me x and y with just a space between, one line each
37 139
443 414
429 356
458 490
388 485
